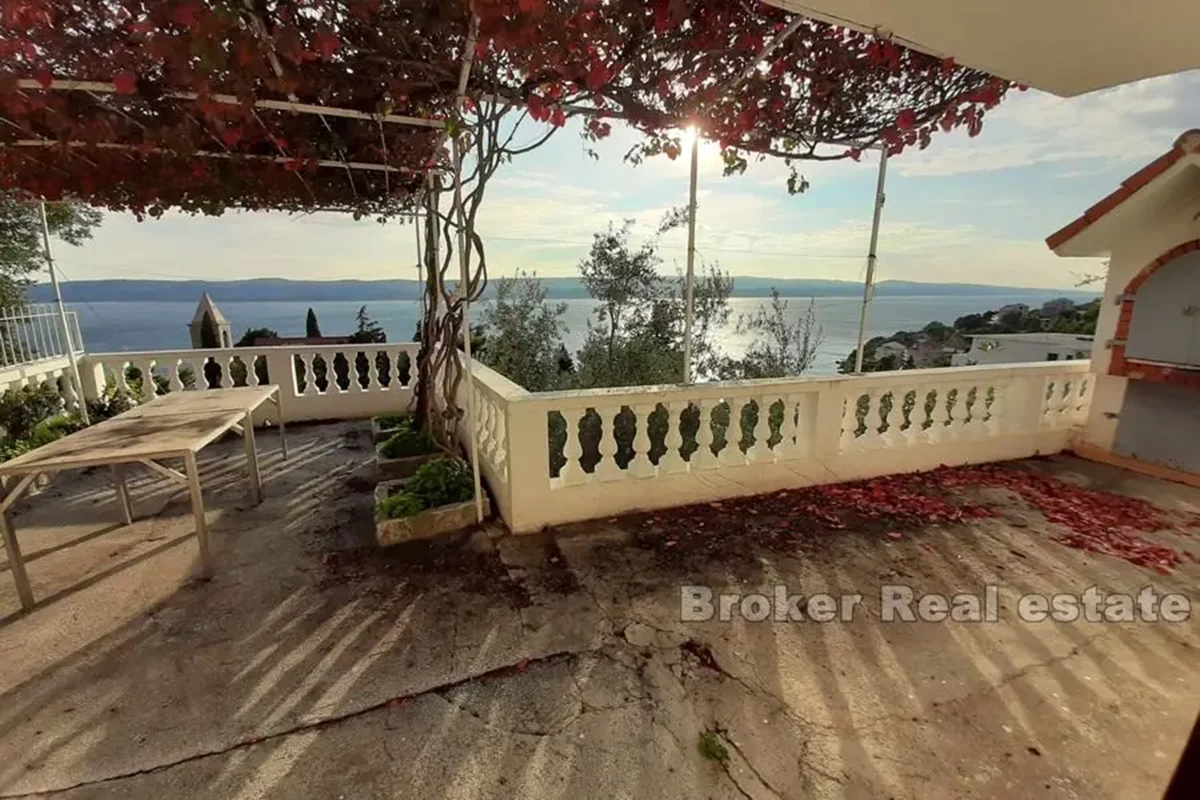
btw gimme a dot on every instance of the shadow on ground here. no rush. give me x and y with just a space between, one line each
557 665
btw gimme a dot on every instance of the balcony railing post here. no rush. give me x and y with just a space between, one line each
281 370
827 428
528 446
1027 398
91 377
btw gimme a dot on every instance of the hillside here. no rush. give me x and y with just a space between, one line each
279 289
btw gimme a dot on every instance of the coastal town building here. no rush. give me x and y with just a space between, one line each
1019 348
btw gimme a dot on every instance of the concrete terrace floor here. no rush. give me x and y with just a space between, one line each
556 665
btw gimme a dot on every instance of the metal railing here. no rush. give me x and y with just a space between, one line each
34 333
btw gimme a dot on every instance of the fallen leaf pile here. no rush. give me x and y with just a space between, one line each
1085 519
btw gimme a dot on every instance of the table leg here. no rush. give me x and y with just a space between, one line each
193 476
124 503
256 495
15 562
279 418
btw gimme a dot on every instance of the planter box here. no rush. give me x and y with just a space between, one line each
429 523
397 468
380 433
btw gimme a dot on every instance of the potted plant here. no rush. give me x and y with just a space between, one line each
384 425
437 499
403 452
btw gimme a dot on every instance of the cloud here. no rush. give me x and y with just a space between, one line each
1135 122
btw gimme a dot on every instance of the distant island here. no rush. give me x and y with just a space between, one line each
283 290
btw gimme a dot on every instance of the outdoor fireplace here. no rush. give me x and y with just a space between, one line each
1146 407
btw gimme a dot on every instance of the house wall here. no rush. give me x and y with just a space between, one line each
1017 351
1134 251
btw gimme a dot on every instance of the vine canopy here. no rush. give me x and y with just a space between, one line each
200 105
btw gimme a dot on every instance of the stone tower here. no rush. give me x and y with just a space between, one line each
221 327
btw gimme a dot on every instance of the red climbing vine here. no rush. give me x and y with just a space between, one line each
170 109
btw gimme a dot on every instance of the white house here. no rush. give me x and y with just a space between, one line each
1021 348
1145 411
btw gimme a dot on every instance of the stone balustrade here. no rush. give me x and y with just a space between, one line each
577 455
352 381
555 457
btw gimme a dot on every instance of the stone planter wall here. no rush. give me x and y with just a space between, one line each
429 523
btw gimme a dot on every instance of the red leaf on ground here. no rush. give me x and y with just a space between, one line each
125 82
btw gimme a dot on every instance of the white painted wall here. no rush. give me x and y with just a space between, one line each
1136 247
1019 349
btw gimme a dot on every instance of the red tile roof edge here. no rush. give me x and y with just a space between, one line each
1188 142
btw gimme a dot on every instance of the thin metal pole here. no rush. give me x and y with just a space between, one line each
464 289
869 285
689 294
418 225
62 317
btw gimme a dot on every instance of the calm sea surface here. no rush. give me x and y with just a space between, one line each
109 327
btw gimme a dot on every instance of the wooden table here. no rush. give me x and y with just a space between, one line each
245 399
176 425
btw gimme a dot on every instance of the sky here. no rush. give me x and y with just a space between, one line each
967 210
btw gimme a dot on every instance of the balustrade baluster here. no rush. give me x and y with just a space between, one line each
641 465
671 460
848 440
790 444
761 450
607 468
704 457
731 454
572 472
372 372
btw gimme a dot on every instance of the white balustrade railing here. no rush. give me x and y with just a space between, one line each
351 381
555 457
578 455
52 372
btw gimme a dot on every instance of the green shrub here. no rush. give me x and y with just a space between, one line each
22 409
11 448
112 401
54 428
442 482
398 505
387 422
407 442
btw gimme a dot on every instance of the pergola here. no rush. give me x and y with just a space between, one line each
372 107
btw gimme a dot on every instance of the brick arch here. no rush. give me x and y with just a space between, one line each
1118 365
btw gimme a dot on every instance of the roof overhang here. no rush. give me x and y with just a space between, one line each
1157 191
1065 47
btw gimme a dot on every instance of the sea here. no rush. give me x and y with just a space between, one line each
138 326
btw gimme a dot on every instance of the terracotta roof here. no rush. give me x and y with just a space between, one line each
1188 142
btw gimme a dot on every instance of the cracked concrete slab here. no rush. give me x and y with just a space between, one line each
556 665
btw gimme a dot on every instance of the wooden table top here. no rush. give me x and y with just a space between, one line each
125 438
203 401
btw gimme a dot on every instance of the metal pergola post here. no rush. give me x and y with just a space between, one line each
62 319
869 284
689 293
